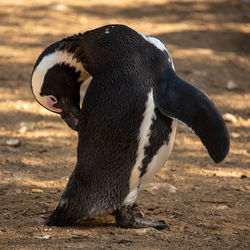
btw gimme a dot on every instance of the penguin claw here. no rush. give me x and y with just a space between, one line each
126 219
144 223
49 222
162 225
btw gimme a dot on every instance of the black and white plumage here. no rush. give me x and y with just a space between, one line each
127 123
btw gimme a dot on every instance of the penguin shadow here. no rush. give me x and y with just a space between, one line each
103 221
99 221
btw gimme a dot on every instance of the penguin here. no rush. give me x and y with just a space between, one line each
127 123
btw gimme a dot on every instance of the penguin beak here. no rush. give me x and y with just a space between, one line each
70 112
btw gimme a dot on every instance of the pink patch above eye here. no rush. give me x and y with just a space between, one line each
51 103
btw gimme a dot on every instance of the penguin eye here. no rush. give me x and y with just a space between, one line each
53 99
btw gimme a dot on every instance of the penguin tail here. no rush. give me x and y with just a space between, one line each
178 99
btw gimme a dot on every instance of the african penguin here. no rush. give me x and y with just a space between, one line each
127 123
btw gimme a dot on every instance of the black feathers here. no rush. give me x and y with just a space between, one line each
126 119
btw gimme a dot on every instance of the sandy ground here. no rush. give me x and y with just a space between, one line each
206 205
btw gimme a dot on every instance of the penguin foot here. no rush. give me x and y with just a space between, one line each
144 223
63 215
53 221
57 221
126 219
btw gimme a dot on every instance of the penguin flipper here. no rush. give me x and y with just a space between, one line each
178 99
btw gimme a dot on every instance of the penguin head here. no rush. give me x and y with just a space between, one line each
65 65
56 81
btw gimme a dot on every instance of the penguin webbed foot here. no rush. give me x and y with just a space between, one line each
145 223
125 218
57 221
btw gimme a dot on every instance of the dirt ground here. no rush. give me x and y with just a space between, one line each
206 205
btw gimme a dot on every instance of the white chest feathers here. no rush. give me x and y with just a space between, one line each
158 159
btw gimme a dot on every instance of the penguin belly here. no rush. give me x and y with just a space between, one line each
156 139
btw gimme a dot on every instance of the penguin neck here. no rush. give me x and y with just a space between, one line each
70 58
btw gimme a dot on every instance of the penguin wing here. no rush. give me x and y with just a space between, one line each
178 99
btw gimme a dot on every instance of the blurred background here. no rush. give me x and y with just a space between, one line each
206 205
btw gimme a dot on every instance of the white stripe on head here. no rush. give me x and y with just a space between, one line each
159 45
57 57
156 42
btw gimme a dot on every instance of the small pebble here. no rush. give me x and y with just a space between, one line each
27 125
76 237
37 190
156 186
25 106
44 237
54 191
44 211
231 85
13 142
18 191
243 176
235 135
124 241
149 231
107 237
219 237
172 189
229 118
23 130
17 177
221 207
60 7
44 150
